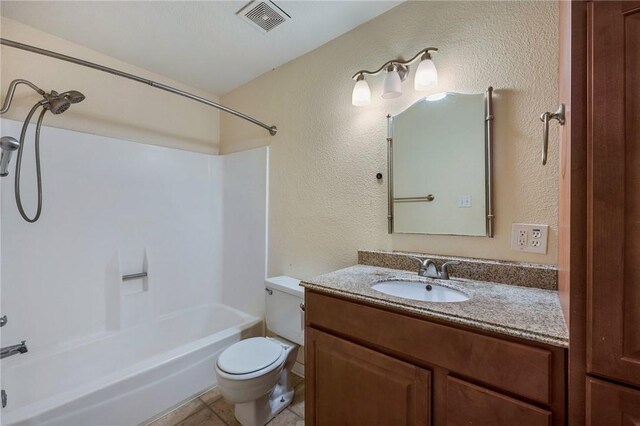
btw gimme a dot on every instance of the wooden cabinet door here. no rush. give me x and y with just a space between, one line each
468 404
612 405
613 305
347 384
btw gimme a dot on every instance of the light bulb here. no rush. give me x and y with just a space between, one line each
361 94
392 87
426 74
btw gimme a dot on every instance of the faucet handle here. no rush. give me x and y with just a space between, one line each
444 272
427 267
422 261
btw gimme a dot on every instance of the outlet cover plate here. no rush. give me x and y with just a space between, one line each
529 238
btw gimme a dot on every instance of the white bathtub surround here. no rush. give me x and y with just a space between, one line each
124 377
113 207
245 230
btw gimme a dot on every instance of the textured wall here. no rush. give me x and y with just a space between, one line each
114 106
325 201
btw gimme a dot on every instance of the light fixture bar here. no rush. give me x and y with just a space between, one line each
426 77
395 62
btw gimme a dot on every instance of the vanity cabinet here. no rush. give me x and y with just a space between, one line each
369 365
362 386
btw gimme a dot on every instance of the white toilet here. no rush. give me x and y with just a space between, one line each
252 373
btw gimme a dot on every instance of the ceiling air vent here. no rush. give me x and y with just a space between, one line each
264 16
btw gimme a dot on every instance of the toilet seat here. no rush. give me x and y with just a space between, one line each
249 356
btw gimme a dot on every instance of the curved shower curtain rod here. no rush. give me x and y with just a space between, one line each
272 129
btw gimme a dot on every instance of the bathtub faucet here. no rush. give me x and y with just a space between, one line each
13 350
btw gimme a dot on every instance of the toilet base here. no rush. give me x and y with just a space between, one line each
260 411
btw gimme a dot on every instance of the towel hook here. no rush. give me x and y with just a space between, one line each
545 117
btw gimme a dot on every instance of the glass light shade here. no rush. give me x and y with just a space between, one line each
361 94
392 87
426 75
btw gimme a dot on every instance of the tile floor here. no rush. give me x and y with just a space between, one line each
209 409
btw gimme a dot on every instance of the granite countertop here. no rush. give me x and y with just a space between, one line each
527 313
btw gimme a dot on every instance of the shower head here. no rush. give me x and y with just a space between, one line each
56 103
7 146
73 95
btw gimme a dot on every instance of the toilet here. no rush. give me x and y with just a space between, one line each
252 373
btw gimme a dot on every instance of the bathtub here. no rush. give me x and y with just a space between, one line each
123 377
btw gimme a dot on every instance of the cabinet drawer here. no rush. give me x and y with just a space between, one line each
518 368
469 404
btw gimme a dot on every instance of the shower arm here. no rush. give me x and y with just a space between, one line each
272 129
12 89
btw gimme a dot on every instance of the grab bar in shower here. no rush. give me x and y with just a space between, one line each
134 276
545 118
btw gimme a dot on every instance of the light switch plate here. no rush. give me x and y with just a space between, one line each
529 238
464 201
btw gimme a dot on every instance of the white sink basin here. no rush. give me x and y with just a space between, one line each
420 291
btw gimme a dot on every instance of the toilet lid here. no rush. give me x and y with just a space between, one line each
249 355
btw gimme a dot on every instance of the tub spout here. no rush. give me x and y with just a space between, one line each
13 350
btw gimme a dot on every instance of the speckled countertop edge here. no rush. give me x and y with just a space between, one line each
527 313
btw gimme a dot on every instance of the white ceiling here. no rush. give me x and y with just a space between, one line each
200 43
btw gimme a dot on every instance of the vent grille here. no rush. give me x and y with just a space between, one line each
262 15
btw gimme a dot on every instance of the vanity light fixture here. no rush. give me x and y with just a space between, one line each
361 93
426 74
396 72
392 87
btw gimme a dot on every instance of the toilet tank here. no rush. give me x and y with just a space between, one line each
284 313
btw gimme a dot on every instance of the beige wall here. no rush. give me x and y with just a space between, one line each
114 106
325 202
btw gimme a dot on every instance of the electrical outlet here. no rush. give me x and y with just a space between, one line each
529 238
521 238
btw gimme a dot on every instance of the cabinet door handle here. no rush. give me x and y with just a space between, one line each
545 117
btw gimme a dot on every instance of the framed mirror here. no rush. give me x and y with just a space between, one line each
439 161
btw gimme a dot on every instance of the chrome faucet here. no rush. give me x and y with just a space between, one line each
20 348
429 269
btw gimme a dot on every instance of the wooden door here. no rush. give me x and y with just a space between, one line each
613 280
612 405
351 385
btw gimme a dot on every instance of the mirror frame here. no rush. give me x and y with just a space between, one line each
488 143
